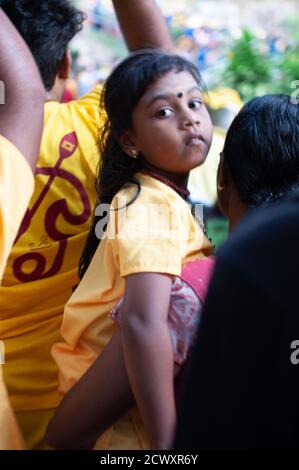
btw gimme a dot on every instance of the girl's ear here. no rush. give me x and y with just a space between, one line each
127 143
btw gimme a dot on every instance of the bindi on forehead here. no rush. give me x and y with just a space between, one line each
180 94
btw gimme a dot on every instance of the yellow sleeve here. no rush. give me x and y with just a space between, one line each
16 188
148 237
91 105
88 117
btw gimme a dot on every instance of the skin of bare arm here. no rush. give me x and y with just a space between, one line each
149 354
21 117
102 395
143 25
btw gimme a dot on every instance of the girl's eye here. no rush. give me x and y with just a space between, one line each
164 112
195 104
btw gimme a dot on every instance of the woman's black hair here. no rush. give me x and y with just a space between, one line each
123 89
261 150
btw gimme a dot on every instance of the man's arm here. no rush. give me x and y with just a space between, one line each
143 25
21 117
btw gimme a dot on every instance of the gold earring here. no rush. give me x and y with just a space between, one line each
220 188
134 153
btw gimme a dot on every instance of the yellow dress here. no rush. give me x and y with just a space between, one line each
156 233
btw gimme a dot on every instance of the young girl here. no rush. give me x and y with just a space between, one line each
157 130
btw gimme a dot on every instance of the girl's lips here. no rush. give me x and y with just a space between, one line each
194 139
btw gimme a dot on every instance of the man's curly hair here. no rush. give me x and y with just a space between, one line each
47 26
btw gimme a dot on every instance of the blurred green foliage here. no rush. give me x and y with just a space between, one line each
248 70
287 71
252 70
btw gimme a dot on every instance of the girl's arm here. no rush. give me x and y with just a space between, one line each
95 402
148 353
103 394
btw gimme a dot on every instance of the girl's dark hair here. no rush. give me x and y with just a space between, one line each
261 151
123 89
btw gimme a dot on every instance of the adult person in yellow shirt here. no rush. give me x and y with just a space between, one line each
21 115
42 268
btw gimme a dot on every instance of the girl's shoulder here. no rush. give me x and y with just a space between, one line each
151 203
145 189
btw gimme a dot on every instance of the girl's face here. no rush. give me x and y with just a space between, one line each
171 125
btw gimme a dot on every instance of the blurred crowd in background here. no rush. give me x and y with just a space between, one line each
243 46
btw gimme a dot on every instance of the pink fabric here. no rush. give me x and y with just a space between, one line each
188 294
183 318
198 274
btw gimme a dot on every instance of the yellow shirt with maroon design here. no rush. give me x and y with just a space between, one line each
42 267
